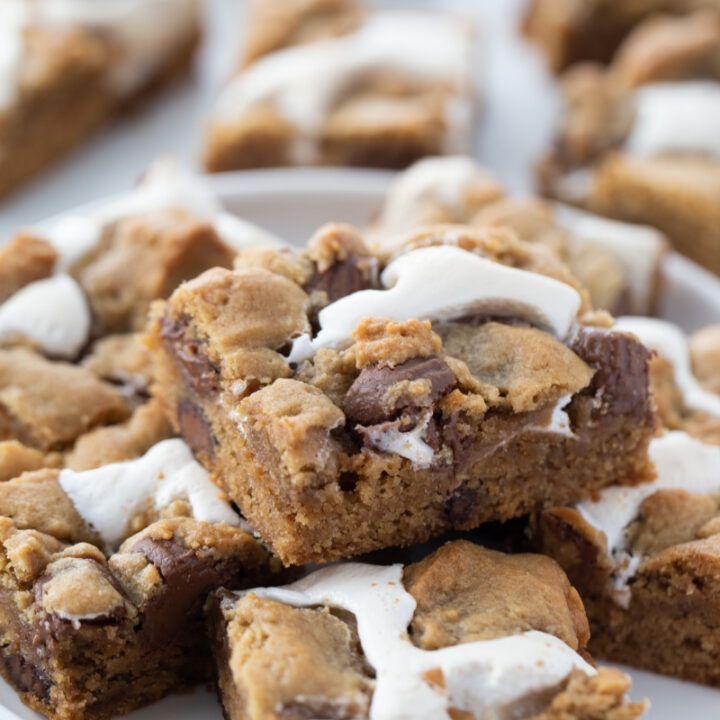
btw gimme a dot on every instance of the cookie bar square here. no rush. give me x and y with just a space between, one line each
571 31
453 635
638 141
276 24
343 87
646 559
458 386
104 577
67 70
646 562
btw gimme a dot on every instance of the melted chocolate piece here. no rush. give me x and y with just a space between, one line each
344 277
364 400
195 429
26 677
621 377
196 368
188 578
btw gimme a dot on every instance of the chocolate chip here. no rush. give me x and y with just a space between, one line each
195 429
348 481
344 277
189 354
365 400
451 437
460 504
26 677
188 578
621 374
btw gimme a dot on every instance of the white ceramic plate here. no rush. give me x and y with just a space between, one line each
293 203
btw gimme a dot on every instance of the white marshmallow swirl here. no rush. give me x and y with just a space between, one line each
109 497
444 283
682 463
488 679
304 82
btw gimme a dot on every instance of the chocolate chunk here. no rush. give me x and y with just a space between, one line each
188 578
344 277
460 504
189 354
365 401
195 429
621 377
26 677
453 439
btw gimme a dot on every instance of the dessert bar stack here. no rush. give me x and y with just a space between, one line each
179 440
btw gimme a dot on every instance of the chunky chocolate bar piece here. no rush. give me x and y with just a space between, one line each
459 387
465 633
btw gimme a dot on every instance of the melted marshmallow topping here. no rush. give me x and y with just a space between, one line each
681 462
145 33
680 117
303 83
110 496
409 444
488 679
444 283
670 342
52 314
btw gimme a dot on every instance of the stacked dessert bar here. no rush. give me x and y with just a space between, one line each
645 559
351 396
574 31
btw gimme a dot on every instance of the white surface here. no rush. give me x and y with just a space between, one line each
518 116
487 678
